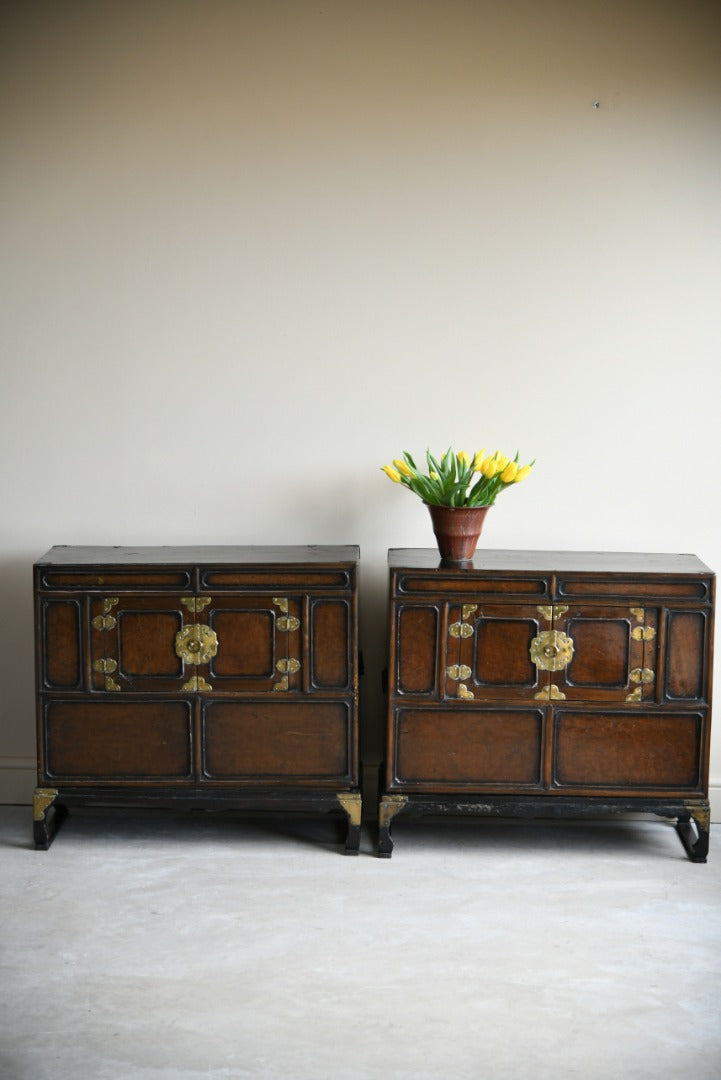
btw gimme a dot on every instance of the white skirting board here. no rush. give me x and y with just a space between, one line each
17 783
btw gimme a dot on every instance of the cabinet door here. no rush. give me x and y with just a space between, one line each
488 653
133 643
259 644
600 653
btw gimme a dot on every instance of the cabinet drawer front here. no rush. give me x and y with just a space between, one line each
633 588
117 741
472 586
417 628
264 580
330 640
116 579
629 750
263 741
469 746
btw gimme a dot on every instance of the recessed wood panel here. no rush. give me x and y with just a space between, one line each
685 654
601 652
632 588
62 649
146 643
109 579
266 740
628 750
330 621
113 740
273 579
469 746
473 586
502 655
417 638
245 643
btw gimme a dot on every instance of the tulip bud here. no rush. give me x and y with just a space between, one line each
478 460
401 466
433 474
522 473
501 461
509 473
392 474
464 459
489 468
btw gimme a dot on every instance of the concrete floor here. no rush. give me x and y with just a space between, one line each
179 947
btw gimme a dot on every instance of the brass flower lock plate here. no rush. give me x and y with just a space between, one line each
196 644
552 650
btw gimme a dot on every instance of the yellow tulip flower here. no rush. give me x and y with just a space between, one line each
433 474
402 466
489 468
509 473
501 461
464 459
522 473
392 474
478 460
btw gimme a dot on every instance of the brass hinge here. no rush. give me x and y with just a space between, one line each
639 613
643 633
460 630
550 693
110 683
288 622
642 675
635 695
106 665
468 609
288 666
104 622
552 611
458 671
281 602
196 604
464 693
196 684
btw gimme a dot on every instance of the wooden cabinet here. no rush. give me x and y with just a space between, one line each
214 677
556 683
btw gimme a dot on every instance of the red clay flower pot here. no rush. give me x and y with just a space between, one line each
457 529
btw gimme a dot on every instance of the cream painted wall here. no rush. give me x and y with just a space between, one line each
251 251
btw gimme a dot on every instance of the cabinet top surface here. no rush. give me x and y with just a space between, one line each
599 562
316 554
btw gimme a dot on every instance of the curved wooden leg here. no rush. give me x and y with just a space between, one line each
695 841
43 829
388 807
352 805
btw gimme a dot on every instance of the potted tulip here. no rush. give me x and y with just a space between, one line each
458 490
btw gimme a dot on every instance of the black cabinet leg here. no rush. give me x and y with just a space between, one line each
695 841
388 807
47 817
351 803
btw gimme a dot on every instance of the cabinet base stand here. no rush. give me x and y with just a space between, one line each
50 806
692 816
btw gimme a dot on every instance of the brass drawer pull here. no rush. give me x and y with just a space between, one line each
551 650
196 644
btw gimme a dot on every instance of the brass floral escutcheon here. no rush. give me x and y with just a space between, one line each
196 644
551 650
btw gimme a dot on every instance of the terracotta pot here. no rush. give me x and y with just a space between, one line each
457 529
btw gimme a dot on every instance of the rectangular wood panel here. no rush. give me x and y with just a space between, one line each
62 666
417 644
329 636
266 740
469 746
629 750
685 654
114 740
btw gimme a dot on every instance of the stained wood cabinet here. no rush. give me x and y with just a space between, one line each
549 683
216 677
